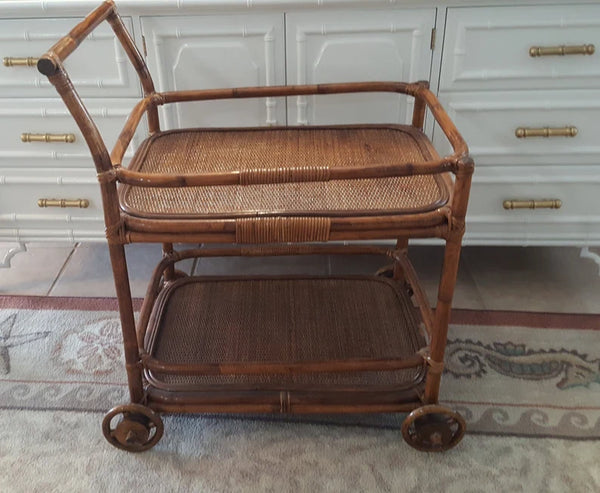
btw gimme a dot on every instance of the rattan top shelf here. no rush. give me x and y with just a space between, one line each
302 156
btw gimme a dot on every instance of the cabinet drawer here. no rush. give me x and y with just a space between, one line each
489 122
577 221
24 123
541 194
34 199
489 48
326 47
98 68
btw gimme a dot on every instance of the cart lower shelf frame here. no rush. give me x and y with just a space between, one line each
277 344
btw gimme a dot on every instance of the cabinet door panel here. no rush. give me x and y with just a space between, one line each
357 46
207 52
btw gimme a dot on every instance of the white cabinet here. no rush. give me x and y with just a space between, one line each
356 46
481 65
207 52
521 84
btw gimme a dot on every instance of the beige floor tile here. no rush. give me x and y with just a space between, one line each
535 279
496 278
33 272
88 272
427 261
231 266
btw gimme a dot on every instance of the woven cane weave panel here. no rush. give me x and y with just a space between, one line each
281 229
288 320
197 151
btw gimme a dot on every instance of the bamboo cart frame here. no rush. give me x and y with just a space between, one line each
429 426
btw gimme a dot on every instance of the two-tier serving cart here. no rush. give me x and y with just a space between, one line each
277 344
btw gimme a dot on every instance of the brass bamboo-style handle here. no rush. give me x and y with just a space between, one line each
80 203
523 132
30 61
68 138
532 204
562 50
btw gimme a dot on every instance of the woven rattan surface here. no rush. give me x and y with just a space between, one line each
309 148
285 320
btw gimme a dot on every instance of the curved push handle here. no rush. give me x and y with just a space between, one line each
48 63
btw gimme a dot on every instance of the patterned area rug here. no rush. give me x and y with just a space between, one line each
508 373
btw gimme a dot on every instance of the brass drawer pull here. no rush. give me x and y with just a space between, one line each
532 204
523 132
29 61
68 138
562 50
81 203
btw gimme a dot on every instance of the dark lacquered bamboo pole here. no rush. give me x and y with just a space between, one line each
290 175
169 272
291 90
448 280
49 63
139 65
419 108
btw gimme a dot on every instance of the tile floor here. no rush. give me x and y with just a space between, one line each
496 278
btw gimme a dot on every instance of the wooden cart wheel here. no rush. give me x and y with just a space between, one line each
138 429
433 428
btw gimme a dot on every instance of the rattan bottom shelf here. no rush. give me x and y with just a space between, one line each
281 322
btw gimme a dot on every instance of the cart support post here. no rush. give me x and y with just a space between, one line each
169 273
465 167
402 246
132 357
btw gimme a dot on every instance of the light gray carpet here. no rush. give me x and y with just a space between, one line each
48 451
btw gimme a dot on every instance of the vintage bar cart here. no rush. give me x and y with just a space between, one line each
272 344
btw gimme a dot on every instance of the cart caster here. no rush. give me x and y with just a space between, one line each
433 428
139 429
387 271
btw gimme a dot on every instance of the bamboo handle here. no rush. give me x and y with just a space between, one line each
67 138
80 203
562 50
523 132
29 61
49 63
532 204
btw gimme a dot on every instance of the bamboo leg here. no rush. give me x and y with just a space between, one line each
442 316
132 359
169 273
402 245
419 110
